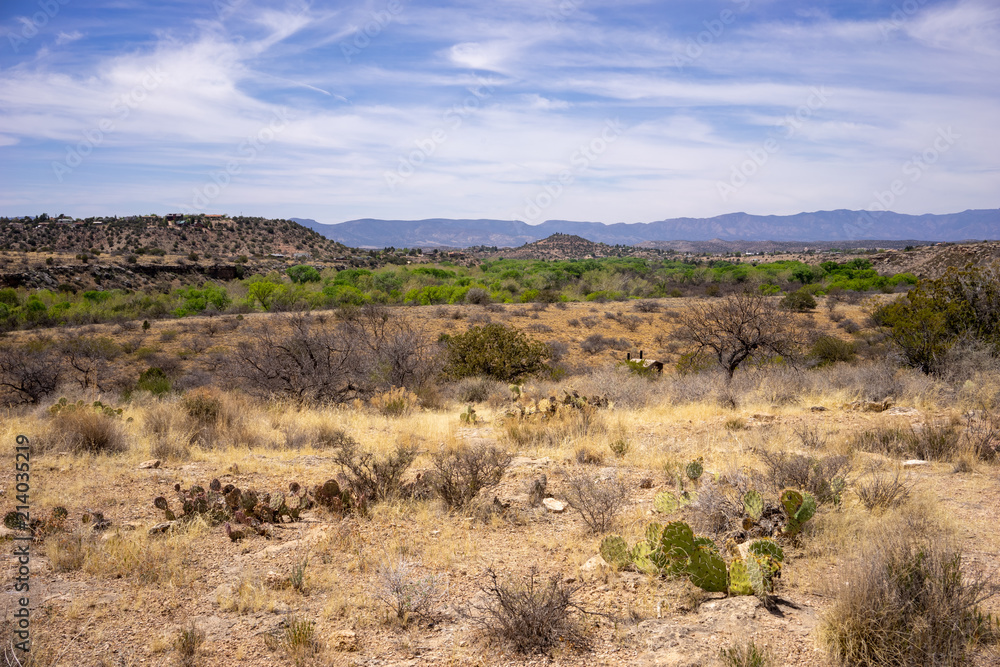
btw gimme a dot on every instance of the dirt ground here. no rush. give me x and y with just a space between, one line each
130 595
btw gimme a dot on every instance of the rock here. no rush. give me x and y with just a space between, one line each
869 406
554 506
902 411
151 463
914 462
596 569
818 408
344 640
161 528
646 483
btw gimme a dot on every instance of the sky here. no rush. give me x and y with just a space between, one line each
625 111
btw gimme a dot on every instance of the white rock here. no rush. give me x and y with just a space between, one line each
151 463
553 505
914 462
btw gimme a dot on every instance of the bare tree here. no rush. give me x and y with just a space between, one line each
313 359
740 326
29 373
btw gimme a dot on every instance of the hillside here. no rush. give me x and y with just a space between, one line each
834 226
566 246
213 236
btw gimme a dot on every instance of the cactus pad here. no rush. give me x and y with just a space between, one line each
769 548
753 504
694 469
640 558
665 503
707 570
739 580
654 532
160 503
615 551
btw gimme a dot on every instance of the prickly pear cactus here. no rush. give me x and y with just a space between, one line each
665 503
798 507
654 532
695 469
739 580
615 551
769 548
640 558
707 570
676 546
753 504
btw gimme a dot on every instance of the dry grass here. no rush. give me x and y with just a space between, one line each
666 422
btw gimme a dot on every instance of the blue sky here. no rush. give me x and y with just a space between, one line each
625 111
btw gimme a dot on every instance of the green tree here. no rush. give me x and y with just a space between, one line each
964 304
497 351
303 273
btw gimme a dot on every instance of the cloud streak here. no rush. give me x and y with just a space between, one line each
557 71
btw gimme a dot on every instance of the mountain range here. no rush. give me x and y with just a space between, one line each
839 225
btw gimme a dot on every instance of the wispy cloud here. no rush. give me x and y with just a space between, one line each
555 72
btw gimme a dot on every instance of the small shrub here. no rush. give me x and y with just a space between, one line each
375 479
619 447
397 402
936 441
908 604
849 325
155 381
800 300
587 456
830 350
480 389
532 615
187 643
459 474
825 478
881 490
203 406
598 501
495 350
88 431
746 654
598 343
399 589
735 424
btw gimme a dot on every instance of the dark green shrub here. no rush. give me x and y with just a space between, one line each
154 380
495 350
303 273
799 300
830 349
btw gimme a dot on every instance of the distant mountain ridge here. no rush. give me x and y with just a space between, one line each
839 225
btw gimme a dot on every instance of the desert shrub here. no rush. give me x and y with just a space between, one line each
936 441
479 389
557 349
849 325
617 384
460 473
824 478
830 350
881 490
154 380
85 430
203 406
599 501
406 595
883 439
495 350
532 615
371 477
961 305
645 306
477 295
598 343
745 654
187 642
982 431
28 374
907 604
800 300
303 273
397 402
